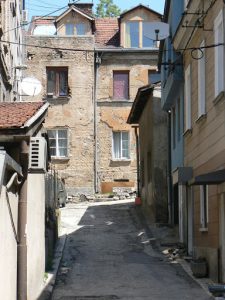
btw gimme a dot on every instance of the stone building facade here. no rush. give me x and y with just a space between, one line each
102 73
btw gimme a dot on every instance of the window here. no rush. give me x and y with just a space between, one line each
121 145
137 35
153 76
146 41
204 206
188 98
75 29
201 83
58 140
178 120
132 34
80 29
57 81
174 126
69 29
121 85
219 54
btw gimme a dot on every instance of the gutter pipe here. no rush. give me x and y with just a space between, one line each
22 224
96 66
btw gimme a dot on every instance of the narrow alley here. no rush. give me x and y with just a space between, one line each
107 256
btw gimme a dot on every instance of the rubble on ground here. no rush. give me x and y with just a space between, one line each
114 196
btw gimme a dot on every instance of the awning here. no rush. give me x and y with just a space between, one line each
216 177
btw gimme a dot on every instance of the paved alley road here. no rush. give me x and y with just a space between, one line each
108 257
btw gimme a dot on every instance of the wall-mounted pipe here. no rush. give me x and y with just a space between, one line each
22 223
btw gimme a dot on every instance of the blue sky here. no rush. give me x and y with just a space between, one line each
43 7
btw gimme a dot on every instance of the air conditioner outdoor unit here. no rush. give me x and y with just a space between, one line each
24 17
38 154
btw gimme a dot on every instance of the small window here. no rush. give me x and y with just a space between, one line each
121 85
57 81
204 206
69 29
174 126
153 77
58 140
219 53
201 83
80 29
132 34
188 98
146 41
121 145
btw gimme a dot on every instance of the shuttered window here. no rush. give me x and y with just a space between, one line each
57 81
121 85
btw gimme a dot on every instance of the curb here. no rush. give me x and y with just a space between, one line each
50 282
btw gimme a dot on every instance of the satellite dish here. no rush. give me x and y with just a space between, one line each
157 31
31 86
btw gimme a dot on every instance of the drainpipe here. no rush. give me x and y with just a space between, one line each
97 65
138 161
22 223
169 170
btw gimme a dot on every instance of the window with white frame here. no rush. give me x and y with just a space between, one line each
204 206
219 54
58 142
121 145
201 83
188 98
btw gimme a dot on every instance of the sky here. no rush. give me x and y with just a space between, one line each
44 7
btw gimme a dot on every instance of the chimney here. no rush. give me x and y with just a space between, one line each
85 7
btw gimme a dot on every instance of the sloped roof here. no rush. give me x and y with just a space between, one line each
14 115
107 32
76 9
140 6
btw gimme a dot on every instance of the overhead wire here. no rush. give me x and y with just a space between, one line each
44 16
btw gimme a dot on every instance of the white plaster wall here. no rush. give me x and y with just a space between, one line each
8 247
35 234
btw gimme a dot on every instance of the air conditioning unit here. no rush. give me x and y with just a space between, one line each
24 17
38 154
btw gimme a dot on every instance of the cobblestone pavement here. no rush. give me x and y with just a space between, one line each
108 256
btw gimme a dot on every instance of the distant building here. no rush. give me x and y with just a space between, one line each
90 70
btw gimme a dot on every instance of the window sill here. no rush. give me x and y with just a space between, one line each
219 98
120 159
120 100
58 158
203 229
187 132
57 99
201 118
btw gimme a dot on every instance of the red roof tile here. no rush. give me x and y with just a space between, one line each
107 32
16 114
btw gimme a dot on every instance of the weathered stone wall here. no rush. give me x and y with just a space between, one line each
113 114
153 157
75 113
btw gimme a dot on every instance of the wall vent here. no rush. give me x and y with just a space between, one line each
38 153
